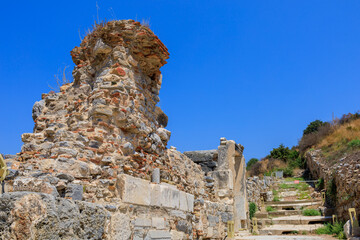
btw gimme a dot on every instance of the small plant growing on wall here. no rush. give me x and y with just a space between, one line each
252 209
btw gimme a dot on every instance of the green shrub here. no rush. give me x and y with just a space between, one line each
298 162
354 143
313 127
288 172
252 209
299 186
251 162
336 229
276 199
270 209
311 212
320 184
281 153
326 229
331 193
304 195
341 235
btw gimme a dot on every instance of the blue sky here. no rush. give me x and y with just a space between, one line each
253 71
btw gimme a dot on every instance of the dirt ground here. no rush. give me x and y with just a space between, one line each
288 237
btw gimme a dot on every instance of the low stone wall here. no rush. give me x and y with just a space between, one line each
346 175
145 210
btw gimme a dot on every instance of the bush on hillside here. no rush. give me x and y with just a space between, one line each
291 157
354 143
281 153
346 118
299 162
309 140
250 163
313 127
288 172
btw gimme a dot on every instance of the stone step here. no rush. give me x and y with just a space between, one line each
280 237
296 220
293 202
293 205
285 213
278 213
289 228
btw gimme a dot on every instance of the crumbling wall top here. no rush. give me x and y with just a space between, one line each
109 42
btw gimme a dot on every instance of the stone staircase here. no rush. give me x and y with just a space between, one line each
286 216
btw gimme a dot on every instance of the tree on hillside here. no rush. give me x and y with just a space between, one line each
281 153
313 126
251 162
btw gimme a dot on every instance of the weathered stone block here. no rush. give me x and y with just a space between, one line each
142 222
134 190
184 226
74 191
183 201
120 226
158 234
224 179
170 196
213 220
158 222
34 185
155 195
190 202
177 213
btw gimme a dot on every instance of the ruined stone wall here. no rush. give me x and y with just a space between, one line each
346 174
225 174
256 187
207 159
85 171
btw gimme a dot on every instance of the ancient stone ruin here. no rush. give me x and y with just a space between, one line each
97 164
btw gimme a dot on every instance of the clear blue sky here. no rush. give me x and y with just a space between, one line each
254 71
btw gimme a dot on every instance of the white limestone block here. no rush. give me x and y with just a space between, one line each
183 205
158 222
190 202
155 195
170 196
134 190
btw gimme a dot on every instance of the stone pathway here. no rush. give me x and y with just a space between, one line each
284 237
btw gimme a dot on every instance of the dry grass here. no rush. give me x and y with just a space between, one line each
343 140
343 133
59 82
